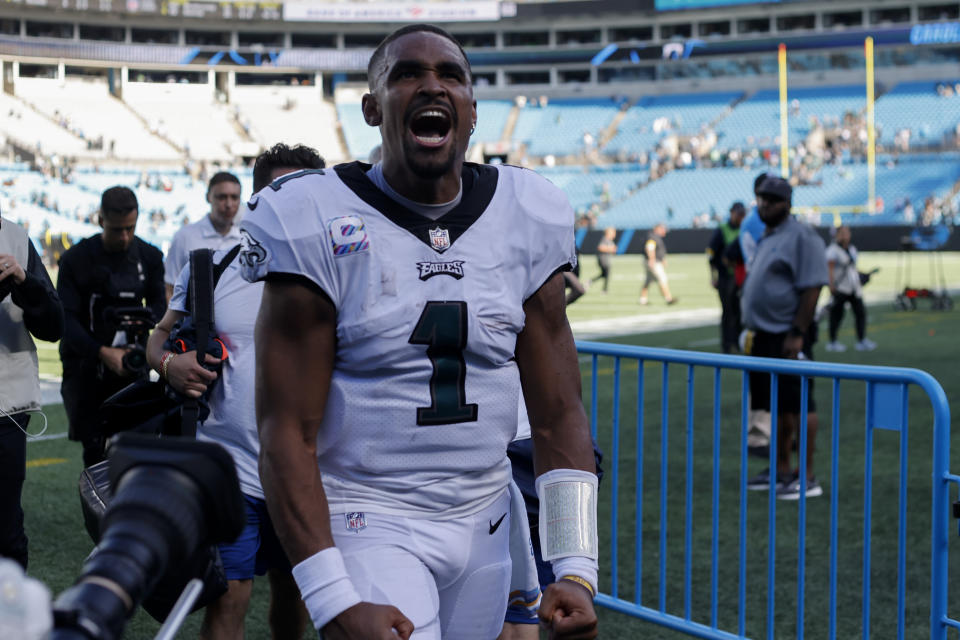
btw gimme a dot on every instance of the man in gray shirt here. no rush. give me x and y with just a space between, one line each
779 299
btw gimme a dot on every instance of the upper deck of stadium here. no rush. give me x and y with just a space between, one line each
582 46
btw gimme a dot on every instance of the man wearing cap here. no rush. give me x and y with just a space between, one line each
109 270
779 299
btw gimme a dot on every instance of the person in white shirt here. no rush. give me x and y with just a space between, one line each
232 424
216 230
845 287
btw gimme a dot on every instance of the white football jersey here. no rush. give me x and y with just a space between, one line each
423 398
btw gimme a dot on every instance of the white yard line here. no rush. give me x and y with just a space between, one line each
47 436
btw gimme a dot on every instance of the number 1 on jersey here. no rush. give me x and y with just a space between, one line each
443 328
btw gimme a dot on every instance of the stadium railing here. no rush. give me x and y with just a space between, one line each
887 408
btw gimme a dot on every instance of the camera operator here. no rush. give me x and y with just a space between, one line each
28 305
103 280
232 423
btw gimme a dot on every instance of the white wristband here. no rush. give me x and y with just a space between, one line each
578 566
325 586
568 514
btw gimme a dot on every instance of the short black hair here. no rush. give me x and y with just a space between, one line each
738 206
118 201
221 176
281 155
377 57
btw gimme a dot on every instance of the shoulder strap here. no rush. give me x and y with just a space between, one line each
221 266
201 308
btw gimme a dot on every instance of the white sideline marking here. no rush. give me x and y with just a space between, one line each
49 436
50 390
644 323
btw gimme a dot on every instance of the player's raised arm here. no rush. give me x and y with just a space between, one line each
296 344
563 458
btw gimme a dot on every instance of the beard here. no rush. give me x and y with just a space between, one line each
429 165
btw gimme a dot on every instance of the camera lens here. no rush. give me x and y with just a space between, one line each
135 360
170 498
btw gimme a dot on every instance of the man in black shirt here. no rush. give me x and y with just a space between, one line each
656 265
29 308
107 271
723 280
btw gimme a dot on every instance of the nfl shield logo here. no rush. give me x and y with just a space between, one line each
440 239
356 521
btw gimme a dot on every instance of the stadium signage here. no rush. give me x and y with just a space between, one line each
674 5
669 51
465 11
252 10
939 33
214 57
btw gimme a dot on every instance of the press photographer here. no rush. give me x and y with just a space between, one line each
102 281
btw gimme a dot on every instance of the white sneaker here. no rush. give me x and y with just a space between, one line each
866 345
838 347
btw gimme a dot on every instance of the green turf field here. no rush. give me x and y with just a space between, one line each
922 339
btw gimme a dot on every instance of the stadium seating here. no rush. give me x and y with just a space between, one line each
90 109
291 115
188 115
686 114
586 186
559 127
492 118
755 122
28 196
21 123
915 180
360 136
260 115
682 195
916 106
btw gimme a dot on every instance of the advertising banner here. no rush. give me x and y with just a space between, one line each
466 11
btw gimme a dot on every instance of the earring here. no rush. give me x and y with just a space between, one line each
473 128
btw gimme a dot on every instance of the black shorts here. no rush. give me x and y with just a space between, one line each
770 345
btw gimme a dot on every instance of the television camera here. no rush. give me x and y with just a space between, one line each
132 325
172 497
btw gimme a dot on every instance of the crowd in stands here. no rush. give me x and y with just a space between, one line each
609 154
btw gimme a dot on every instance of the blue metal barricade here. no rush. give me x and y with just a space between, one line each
886 395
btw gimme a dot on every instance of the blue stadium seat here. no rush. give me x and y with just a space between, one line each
559 127
491 120
755 122
687 113
916 106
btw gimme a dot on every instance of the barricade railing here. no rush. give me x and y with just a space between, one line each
887 408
